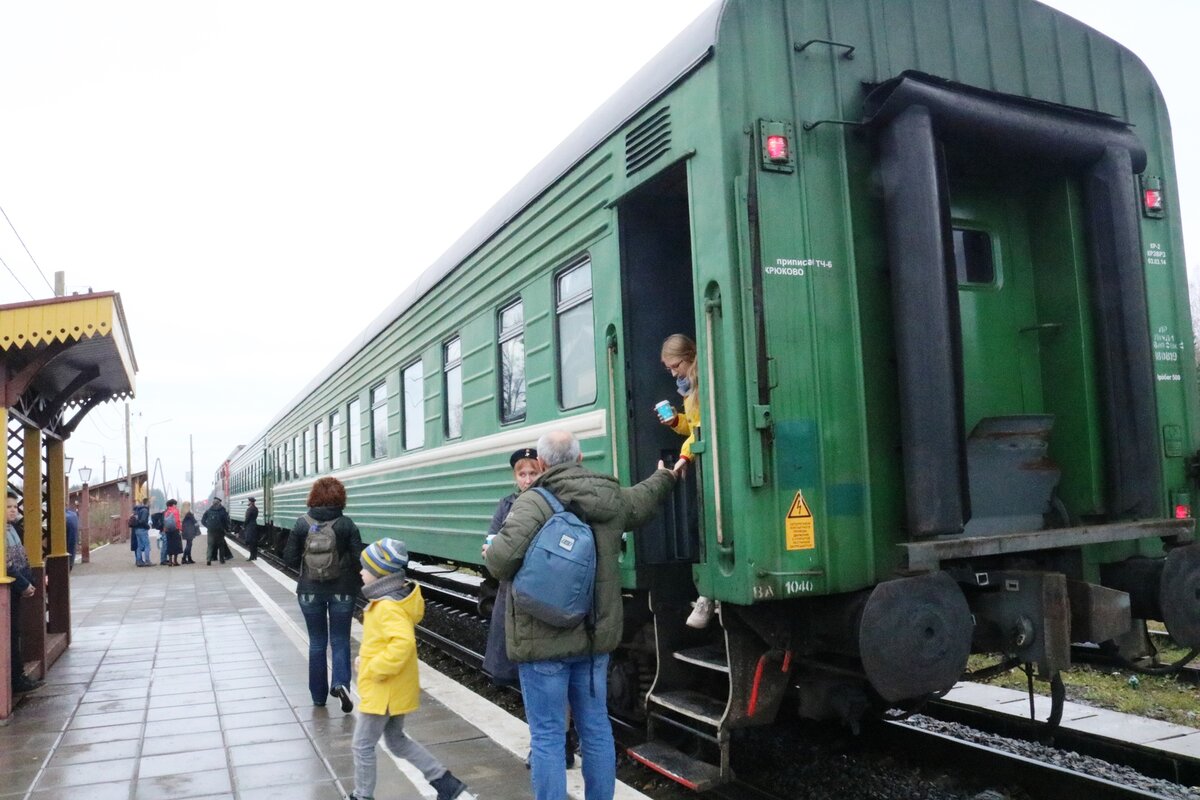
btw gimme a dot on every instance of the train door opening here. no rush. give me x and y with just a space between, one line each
658 300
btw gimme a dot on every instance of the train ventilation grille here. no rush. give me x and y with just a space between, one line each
649 140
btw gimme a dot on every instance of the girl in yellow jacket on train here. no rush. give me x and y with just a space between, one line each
388 683
679 357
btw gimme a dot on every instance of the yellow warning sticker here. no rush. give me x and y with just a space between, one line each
798 526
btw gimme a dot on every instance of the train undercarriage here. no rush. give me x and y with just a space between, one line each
894 646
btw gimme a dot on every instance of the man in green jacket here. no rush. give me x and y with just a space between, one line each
561 665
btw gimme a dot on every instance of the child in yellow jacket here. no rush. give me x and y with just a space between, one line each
388 684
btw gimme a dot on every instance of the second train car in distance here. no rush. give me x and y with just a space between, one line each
931 258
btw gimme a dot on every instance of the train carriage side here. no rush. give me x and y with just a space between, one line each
951 380
911 247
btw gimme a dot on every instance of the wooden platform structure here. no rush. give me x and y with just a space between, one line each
59 359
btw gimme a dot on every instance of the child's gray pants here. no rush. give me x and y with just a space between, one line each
367 730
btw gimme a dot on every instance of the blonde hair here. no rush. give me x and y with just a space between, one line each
678 347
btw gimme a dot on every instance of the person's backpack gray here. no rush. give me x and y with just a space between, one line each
321 559
169 524
556 581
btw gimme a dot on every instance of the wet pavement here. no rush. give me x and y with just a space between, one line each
192 681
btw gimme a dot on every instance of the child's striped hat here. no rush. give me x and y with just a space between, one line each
385 557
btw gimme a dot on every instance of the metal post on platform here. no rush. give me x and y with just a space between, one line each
85 516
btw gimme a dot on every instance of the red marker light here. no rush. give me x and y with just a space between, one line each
1182 511
777 148
1153 199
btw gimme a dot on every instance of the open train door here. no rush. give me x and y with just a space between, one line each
657 301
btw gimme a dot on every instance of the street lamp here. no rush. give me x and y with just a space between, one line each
85 475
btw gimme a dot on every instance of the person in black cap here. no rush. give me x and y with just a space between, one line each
496 663
525 467
250 529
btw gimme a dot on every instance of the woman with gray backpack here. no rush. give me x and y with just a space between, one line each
325 546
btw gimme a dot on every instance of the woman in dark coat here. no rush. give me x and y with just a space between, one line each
496 663
191 529
328 604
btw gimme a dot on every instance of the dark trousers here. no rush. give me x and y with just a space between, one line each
18 661
252 543
187 548
216 546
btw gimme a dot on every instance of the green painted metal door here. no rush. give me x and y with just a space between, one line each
1002 372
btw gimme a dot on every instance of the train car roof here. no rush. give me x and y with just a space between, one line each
686 52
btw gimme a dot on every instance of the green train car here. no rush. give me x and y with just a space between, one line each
931 259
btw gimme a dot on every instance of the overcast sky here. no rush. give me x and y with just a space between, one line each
260 179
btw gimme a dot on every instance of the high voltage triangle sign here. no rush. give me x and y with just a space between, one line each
799 533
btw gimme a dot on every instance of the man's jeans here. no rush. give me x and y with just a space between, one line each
547 687
327 617
142 554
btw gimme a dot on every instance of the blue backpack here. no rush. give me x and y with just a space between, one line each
556 581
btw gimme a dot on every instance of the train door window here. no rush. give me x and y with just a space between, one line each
379 421
973 257
322 446
354 431
452 370
512 362
412 388
335 440
576 336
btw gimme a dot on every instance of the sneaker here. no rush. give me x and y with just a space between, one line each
448 787
702 611
341 693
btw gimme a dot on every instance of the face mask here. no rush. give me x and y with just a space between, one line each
684 385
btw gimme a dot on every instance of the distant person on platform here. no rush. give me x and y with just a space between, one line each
570 665
172 529
21 588
139 524
250 529
72 536
216 520
191 529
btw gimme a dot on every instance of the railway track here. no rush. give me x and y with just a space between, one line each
453 627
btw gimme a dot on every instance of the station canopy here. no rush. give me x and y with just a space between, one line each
63 356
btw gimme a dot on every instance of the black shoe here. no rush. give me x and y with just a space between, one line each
341 693
572 746
448 787
23 683
208 563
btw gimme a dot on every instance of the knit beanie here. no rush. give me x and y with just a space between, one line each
385 557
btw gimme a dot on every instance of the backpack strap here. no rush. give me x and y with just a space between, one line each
550 499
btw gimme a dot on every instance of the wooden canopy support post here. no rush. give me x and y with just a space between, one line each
33 614
58 565
6 606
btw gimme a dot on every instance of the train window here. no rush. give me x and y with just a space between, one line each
412 383
379 422
335 440
322 446
512 362
452 368
576 337
297 456
973 257
310 452
354 429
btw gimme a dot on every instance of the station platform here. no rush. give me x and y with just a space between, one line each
192 681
